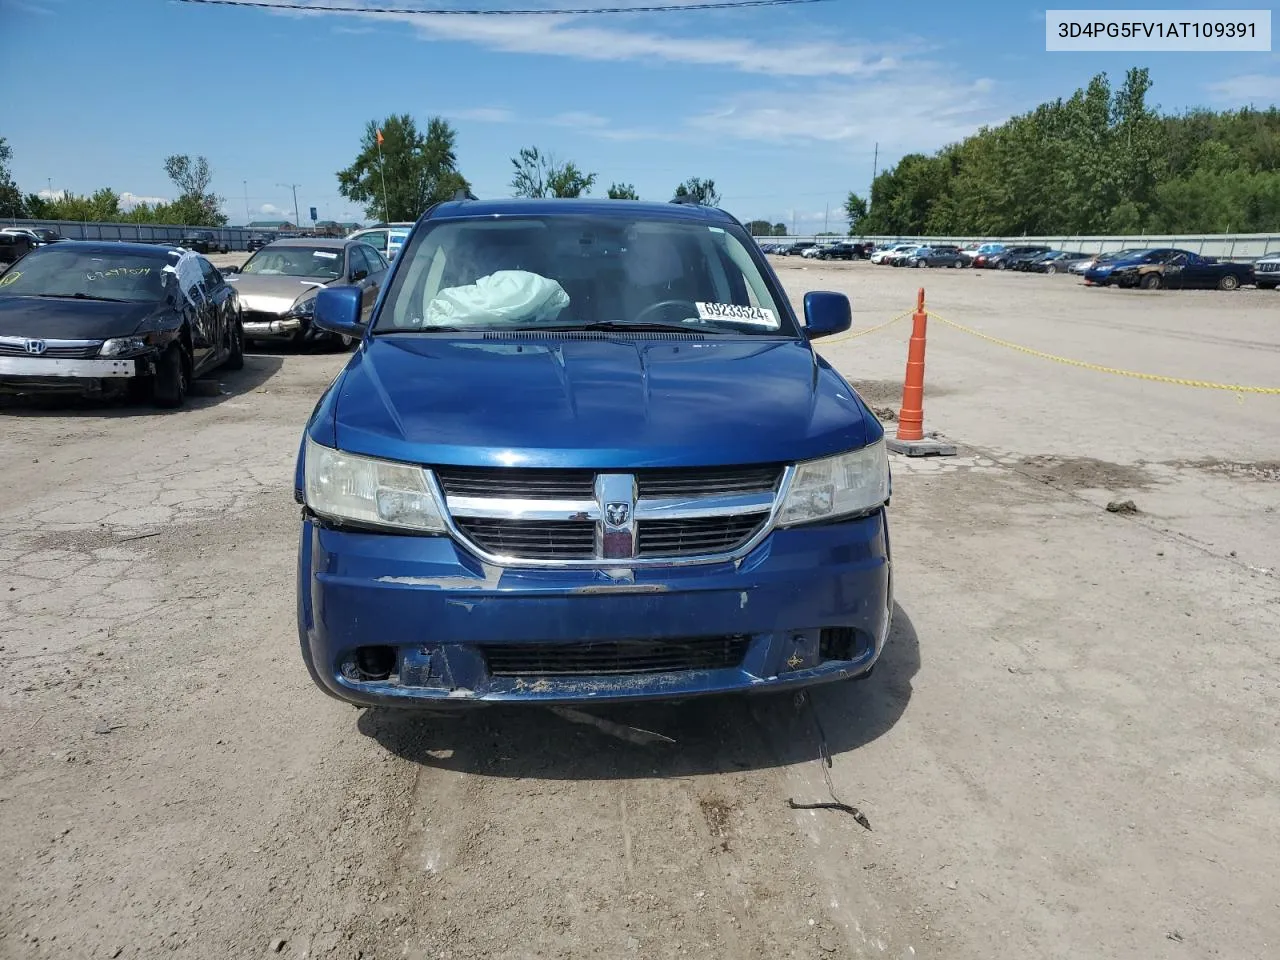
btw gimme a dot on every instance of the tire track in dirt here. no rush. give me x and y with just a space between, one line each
526 836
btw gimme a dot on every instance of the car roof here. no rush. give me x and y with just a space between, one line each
520 206
333 243
116 246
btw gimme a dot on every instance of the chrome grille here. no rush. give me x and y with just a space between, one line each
550 484
678 538
1268 267
535 539
617 657
53 349
513 483
584 517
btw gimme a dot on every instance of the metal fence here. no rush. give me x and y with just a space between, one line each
233 237
1224 246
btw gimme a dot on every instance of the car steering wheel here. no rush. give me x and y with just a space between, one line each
665 304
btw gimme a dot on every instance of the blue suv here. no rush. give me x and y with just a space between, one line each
585 452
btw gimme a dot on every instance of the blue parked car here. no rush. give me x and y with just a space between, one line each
585 452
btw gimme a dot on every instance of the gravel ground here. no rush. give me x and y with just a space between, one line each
1069 749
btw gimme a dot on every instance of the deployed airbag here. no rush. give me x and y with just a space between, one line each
513 296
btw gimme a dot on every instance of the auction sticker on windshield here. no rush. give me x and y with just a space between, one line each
9 278
759 316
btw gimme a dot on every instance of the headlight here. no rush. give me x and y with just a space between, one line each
851 483
122 346
304 309
343 486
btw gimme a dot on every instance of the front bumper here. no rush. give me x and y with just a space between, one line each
31 374
442 618
281 329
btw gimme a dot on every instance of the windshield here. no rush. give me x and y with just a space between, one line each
572 271
298 261
67 270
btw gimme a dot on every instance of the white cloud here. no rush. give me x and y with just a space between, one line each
130 200
272 212
579 119
563 36
1258 88
917 115
51 194
481 115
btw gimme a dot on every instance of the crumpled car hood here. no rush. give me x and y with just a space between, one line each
67 319
609 401
271 294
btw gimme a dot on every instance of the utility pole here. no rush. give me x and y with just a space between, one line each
826 218
875 162
297 218
247 217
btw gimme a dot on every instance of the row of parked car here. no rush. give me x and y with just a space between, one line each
1148 268
835 250
106 317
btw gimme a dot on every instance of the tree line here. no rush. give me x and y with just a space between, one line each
196 204
401 170
1101 161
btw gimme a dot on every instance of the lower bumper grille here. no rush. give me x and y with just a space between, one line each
618 657
260 316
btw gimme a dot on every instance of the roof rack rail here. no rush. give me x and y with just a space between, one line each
687 200
463 193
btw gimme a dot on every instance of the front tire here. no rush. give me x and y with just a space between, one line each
1229 282
1150 282
169 385
235 359
1051 270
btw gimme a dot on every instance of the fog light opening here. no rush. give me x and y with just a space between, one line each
837 643
374 663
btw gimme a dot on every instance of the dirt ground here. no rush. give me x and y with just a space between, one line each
1069 749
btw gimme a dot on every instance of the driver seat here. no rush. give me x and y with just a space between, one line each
654 272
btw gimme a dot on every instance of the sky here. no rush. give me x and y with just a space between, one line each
783 106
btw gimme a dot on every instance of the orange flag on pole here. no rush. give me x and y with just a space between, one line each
379 138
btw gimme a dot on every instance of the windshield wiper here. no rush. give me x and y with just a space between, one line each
620 325
81 296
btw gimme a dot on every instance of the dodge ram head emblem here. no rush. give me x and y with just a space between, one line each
35 346
617 514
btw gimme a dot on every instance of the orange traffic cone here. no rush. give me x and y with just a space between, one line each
911 439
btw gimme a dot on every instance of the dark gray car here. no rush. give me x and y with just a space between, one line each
941 256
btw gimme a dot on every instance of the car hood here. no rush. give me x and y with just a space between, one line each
596 403
271 294
58 319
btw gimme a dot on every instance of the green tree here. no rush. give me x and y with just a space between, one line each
779 229
11 202
855 209
103 205
1099 161
622 191
196 204
699 191
541 175
418 169
760 228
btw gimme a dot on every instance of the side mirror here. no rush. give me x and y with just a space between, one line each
826 313
359 275
338 311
